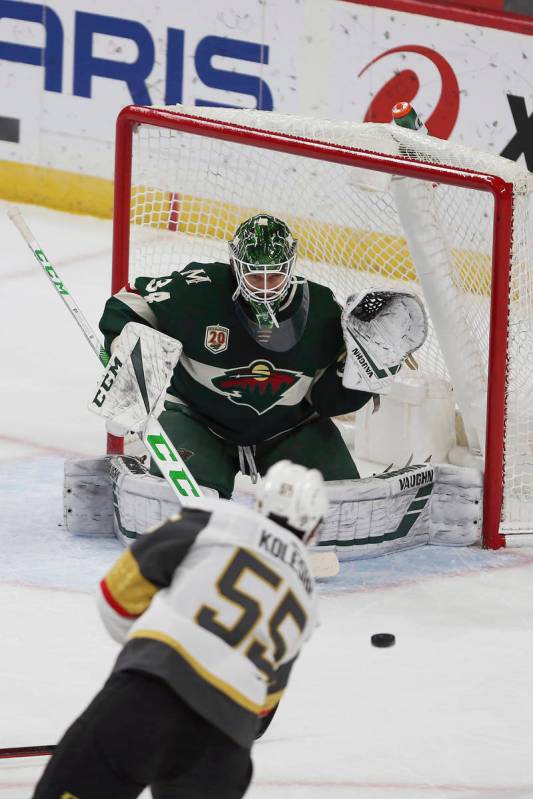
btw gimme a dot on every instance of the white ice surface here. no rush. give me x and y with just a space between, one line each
447 712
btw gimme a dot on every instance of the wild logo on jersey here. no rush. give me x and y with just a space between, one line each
259 386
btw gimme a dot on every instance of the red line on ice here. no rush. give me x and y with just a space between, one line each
48 448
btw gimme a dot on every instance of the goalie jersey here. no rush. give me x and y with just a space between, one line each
245 386
217 602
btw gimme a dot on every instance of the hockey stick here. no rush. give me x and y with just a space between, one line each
154 438
26 751
73 308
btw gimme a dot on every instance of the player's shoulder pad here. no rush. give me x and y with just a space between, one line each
175 285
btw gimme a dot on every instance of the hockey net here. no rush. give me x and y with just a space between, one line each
370 205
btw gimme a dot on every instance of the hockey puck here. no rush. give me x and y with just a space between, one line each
383 639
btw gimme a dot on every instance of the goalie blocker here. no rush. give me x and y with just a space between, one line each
426 504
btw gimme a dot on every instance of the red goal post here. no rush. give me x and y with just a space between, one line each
246 140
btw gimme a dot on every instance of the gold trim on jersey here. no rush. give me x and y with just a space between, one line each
128 587
273 699
226 688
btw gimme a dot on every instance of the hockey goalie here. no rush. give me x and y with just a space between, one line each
266 359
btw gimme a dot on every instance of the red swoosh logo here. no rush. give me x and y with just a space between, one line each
405 86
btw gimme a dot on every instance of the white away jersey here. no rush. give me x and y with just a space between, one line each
217 602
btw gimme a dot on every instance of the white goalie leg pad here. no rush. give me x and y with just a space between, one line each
115 495
456 506
436 504
141 500
88 496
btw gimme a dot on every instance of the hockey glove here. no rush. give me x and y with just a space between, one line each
381 329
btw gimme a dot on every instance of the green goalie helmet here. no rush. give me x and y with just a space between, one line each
262 255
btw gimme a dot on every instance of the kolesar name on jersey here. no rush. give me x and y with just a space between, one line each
287 554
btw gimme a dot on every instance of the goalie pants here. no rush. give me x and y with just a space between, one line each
138 732
214 461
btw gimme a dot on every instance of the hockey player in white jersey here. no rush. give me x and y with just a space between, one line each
212 607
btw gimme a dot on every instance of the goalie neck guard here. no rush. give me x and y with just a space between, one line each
262 256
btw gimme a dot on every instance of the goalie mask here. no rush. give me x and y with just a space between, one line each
293 496
262 255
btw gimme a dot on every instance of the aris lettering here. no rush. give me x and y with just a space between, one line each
135 74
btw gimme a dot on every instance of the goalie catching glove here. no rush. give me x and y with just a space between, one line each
381 329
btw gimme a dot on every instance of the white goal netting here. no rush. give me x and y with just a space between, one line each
358 226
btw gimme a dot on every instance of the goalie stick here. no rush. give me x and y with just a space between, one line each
154 438
18 220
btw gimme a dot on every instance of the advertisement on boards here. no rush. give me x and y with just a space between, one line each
77 64
470 83
67 67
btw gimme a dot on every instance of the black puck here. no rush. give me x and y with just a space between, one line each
383 639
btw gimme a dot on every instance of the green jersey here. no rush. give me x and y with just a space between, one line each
248 384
